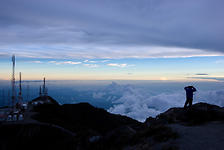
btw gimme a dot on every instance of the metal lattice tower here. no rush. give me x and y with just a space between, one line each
9 99
40 92
20 97
3 98
13 83
44 88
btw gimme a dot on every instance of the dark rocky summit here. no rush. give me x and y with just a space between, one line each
84 127
199 127
197 114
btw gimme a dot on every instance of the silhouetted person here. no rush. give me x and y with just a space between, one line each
189 95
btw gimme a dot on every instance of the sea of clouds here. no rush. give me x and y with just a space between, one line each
139 103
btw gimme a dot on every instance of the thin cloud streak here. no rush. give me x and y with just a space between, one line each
36 62
201 74
65 62
117 65
91 65
209 78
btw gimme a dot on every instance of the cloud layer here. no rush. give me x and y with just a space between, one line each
111 29
139 104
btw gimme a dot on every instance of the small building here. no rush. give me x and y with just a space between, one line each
43 100
15 116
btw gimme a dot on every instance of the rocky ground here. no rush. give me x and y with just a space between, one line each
200 127
84 127
208 136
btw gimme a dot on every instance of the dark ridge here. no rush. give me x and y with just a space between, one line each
82 117
95 128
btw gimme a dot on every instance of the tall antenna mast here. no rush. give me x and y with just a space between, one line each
13 83
3 98
40 92
44 88
20 90
9 102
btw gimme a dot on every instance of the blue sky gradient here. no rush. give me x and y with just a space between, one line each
190 68
112 39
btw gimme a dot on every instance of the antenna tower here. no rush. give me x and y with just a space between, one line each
20 90
9 102
44 88
13 84
40 92
3 97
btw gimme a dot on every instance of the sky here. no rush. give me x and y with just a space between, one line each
113 39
